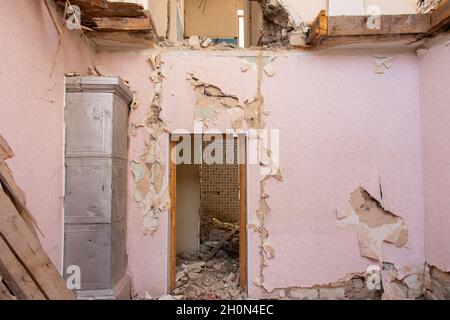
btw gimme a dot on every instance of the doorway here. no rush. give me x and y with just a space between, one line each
208 216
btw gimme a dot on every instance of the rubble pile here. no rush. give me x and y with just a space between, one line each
213 272
197 43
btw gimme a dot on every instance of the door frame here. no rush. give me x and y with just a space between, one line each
173 217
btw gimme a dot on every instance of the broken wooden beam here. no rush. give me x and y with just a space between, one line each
440 17
16 277
328 31
25 269
222 242
26 248
319 29
122 24
16 194
5 294
387 25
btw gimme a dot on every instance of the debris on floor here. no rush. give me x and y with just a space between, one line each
197 43
213 272
216 279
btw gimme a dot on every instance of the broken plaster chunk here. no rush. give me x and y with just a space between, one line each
382 63
269 250
269 70
194 42
245 67
155 61
206 43
297 38
393 289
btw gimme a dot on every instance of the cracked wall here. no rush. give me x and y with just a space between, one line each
151 189
334 137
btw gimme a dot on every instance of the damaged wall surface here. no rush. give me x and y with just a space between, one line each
335 140
317 145
31 111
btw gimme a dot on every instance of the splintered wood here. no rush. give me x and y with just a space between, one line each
112 24
26 271
103 15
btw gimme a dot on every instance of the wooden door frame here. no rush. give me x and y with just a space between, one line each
172 218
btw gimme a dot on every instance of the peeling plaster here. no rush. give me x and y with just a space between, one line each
249 114
373 224
151 191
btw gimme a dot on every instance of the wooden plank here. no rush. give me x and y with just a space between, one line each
87 3
219 246
28 250
389 25
110 9
440 18
173 206
122 24
16 194
5 149
16 277
5 294
243 222
319 29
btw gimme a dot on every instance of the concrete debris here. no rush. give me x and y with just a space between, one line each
218 279
218 239
353 287
393 289
280 21
194 42
398 286
297 38
436 283
425 6
206 43
198 43
373 224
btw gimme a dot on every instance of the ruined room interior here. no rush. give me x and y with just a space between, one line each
224 150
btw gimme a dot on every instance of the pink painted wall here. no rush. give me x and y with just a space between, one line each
147 258
341 127
32 108
434 67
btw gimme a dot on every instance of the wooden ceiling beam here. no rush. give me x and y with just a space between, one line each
342 30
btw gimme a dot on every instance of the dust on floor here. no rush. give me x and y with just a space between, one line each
213 272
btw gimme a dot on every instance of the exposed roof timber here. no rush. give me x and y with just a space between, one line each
329 31
99 12
440 18
110 20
